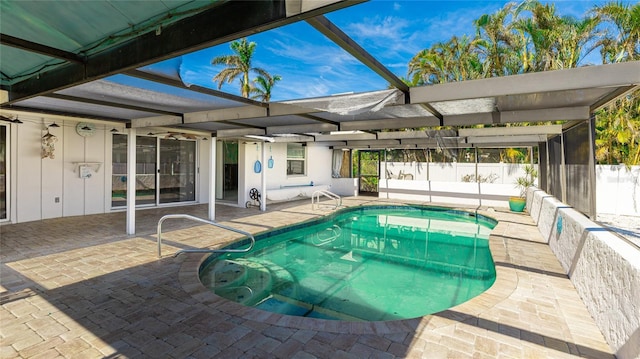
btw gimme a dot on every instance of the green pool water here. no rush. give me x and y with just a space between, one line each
361 264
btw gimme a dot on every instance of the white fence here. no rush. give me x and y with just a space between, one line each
617 188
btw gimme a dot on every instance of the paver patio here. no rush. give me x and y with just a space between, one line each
77 287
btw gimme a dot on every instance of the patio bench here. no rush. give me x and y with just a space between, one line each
292 193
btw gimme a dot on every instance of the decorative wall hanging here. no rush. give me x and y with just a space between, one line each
48 145
85 129
257 167
270 161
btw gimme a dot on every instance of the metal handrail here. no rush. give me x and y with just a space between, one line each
315 198
197 219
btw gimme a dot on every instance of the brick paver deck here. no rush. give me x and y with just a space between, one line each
78 287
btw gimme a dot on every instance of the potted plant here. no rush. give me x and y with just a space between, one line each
517 204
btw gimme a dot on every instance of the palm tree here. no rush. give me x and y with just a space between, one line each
497 43
618 131
427 67
541 32
574 36
238 65
455 60
264 85
622 42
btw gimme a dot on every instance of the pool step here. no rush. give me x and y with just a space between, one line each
249 281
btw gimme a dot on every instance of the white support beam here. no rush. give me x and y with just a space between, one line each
510 131
239 132
345 136
212 178
263 178
515 141
550 114
295 138
131 181
330 143
373 143
428 142
226 114
283 109
389 123
309 128
620 74
402 134
485 118
166 120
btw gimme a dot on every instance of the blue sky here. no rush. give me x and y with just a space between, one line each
392 31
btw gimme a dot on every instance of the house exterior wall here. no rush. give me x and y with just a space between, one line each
51 187
42 188
318 167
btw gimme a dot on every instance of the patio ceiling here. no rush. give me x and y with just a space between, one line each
66 66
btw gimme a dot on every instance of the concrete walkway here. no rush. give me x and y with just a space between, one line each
79 288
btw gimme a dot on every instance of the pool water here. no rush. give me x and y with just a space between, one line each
361 264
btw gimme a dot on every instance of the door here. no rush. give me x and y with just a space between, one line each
228 168
177 171
368 170
165 171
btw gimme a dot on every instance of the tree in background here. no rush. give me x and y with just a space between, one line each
618 132
455 60
621 40
531 37
618 125
263 85
238 66
498 44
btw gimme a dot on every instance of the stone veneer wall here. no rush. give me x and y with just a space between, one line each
604 269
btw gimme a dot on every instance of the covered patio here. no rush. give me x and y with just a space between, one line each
133 96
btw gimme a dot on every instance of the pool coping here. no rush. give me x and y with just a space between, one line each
506 282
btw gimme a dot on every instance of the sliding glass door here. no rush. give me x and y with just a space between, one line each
165 170
146 164
177 171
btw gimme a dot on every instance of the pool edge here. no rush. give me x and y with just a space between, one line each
505 283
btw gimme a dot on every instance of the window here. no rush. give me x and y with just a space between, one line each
296 157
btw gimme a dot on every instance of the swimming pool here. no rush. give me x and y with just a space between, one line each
361 264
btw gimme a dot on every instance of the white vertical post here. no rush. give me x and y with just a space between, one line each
212 178
131 181
263 176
